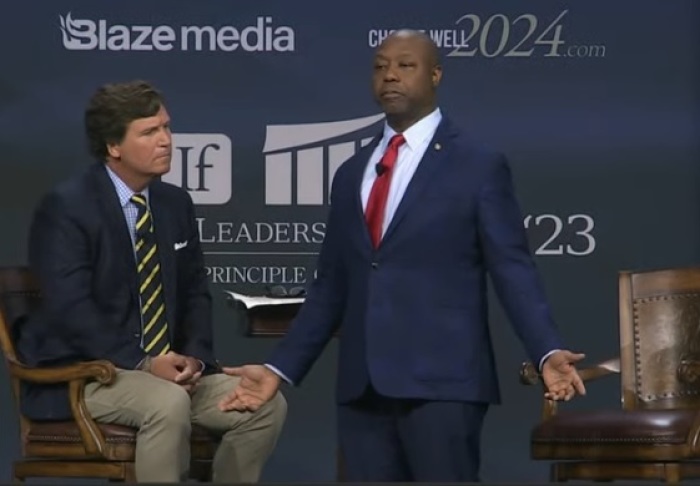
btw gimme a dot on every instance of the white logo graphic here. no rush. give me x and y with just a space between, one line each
313 151
84 34
201 164
180 246
500 35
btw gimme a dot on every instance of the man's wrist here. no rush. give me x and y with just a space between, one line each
544 359
281 376
197 365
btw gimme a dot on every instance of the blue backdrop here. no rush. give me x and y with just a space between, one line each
595 103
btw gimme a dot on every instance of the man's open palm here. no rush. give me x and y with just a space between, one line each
258 385
560 376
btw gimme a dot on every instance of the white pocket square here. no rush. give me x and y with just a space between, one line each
180 246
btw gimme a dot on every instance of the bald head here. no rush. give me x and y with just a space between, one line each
406 75
422 41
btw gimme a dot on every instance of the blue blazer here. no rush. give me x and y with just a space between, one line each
80 249
412 315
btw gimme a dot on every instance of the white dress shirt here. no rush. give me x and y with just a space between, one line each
418 136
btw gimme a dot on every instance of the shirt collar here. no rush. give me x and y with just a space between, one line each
417 133
123 191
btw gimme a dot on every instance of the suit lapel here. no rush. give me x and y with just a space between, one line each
164 240
113 213
435 156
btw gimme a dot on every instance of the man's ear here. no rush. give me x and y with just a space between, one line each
437 75
114 150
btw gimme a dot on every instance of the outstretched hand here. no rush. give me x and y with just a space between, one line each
258 385
560 376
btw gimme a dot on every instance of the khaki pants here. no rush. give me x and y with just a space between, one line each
164 413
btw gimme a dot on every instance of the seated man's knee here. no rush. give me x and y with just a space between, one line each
277 409
268 419
172 407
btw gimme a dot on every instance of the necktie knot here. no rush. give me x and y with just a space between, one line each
392 151
143 217
396 141
139 200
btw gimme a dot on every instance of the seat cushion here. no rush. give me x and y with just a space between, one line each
51 439
69 432
616 434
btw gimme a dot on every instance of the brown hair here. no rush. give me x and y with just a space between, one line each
113 107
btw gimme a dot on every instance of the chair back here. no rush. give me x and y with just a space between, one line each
19 296
660 338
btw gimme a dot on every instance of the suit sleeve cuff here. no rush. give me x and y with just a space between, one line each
279 373
544 358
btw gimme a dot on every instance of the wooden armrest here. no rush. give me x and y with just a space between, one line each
76 376
102 371
604 368
529 375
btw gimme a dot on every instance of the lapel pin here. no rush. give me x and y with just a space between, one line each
437 146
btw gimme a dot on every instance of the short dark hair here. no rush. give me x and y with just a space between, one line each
113 107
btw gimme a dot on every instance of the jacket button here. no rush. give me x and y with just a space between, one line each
375 265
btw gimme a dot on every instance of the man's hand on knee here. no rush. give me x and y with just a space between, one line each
182 370
190 373
166 366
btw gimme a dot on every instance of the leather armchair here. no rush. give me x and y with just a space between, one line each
656 432
82 447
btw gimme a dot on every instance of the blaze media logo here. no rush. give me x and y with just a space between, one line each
201 164
102 35
301 160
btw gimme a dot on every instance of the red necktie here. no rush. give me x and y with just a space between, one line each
376 204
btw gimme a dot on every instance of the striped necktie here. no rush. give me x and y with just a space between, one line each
155 326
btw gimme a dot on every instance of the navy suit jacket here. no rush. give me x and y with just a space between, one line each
413 313
80 249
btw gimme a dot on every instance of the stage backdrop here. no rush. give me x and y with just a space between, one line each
595 103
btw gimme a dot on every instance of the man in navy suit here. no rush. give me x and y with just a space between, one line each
404 280
122 275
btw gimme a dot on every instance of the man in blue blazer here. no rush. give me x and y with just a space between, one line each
122 276
408 293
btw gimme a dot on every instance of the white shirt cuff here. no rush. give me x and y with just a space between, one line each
279 373
544 358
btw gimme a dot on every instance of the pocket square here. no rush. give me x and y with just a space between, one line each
180 246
